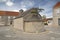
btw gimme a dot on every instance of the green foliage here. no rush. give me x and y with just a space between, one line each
36 10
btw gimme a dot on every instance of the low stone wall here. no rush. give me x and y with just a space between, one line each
34 27
18 24
31 27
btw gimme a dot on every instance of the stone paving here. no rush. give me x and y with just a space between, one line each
8 33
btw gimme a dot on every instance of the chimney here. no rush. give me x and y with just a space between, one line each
21 10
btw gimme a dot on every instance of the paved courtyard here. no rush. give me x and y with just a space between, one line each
8 33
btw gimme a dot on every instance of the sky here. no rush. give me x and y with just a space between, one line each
16 5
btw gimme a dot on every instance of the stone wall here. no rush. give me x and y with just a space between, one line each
28 26
18 24
34 26
56 16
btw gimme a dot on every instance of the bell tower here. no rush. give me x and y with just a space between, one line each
56 15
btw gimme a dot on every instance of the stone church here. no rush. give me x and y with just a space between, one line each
56 15
29 21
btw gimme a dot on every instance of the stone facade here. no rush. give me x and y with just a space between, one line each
56 15
33 26
29 21
28 26
6 20
18 24
6 17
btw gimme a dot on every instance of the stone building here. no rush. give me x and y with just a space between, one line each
29 21
6 17
56 15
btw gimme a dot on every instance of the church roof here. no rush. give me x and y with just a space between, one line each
26 12
57 5
28 16
33 18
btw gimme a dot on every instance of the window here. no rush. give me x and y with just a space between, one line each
59 21
58 10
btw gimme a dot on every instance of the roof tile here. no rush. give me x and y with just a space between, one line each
9 13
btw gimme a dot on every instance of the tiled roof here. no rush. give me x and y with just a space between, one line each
9 13
49 18
57 5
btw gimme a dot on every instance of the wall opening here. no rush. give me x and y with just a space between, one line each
58 21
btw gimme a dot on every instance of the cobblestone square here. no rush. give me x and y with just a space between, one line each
7 33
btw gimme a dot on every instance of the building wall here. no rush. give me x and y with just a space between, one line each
28 26
4 20
18 23
33 26
56 16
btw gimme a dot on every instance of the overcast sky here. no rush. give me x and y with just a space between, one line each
16 5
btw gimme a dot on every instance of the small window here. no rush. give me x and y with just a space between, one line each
59 21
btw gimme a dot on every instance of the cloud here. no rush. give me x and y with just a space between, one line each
24 9
49 15
9 3
48 8
26 4
16 10
3 0
47 12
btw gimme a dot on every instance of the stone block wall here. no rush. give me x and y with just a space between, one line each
18 24
34 26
